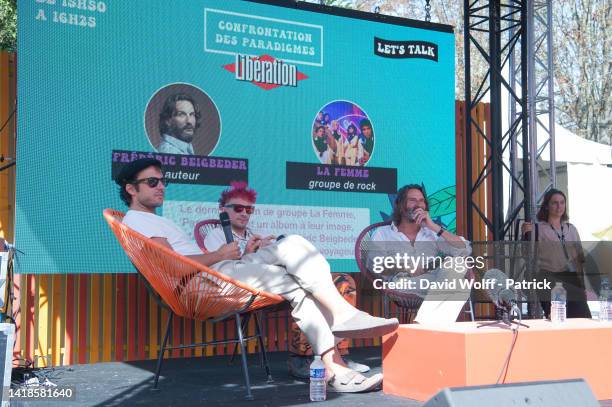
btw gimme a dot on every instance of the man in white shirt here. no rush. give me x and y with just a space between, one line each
179 120
422 239
292 268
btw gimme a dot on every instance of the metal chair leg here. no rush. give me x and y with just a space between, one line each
471 305
245 323
262 348
385 306
160 358
245 368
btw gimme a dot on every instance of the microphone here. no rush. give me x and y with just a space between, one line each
500 295
227 227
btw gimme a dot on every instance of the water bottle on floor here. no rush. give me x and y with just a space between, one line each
318 385
604 301
558 301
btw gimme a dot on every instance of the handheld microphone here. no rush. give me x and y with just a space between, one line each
227 227
500 295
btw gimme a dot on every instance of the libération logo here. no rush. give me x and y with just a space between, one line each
265 71
266 50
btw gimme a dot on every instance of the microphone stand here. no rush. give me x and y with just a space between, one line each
506 313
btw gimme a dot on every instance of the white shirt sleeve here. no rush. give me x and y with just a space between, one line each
445 247
214 239
143 225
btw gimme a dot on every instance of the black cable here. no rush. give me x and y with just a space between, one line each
7 120
504 369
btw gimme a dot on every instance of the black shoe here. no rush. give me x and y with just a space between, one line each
299 366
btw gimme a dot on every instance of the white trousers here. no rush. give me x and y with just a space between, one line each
292 268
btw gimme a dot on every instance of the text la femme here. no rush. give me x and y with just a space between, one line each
359 173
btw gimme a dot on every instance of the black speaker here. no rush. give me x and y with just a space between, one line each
560 393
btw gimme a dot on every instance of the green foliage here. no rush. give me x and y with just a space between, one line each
339 3
442 202
8 25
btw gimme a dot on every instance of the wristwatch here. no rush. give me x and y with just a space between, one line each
440 231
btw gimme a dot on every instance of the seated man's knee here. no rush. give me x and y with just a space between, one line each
298 240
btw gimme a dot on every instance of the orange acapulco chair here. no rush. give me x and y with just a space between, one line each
192 290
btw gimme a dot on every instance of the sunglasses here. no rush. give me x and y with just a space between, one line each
151 181
239 208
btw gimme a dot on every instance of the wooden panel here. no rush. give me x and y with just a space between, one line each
107 307
153 329
70 331
58 317
120 317
94 318
42 322
143 298
132 321
82 319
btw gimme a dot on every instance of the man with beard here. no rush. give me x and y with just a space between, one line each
178 121
414 233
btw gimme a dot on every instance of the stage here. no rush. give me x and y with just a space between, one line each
205 381
209 381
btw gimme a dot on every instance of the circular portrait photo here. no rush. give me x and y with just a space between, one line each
182 119
342 134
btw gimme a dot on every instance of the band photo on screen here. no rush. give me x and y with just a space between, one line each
342 134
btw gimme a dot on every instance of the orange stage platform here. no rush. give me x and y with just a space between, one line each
420 360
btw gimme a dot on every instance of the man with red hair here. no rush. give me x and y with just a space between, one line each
239 203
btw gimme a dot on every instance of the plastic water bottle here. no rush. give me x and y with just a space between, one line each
604 301
318 385
558 301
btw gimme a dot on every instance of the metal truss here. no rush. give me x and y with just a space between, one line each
541 113
513 39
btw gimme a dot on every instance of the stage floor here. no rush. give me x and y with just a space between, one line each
206 381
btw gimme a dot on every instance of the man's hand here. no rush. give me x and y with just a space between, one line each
421 217
253 244
229 251
256 242
266 241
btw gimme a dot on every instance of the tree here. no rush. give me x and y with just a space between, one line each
8 25
583 67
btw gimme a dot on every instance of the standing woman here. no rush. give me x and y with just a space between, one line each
560 254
